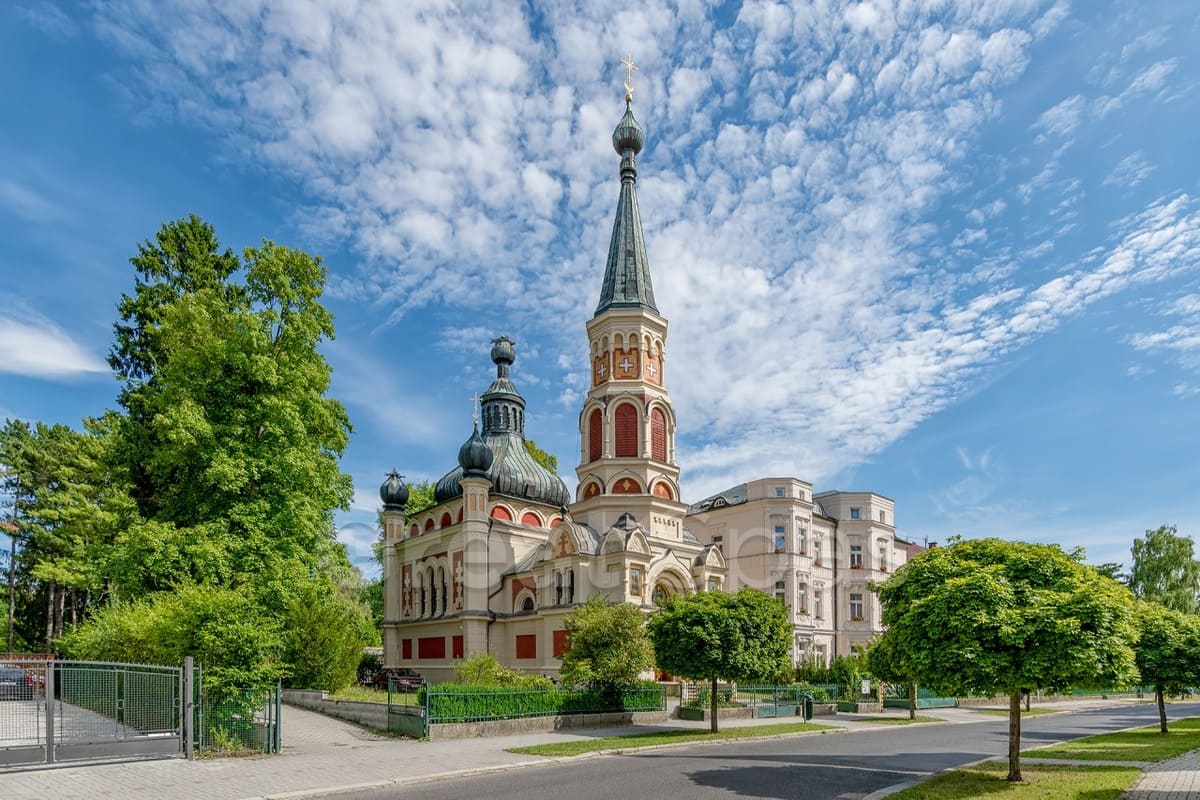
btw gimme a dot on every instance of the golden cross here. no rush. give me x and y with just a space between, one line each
627 62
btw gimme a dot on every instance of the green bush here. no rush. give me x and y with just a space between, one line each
323 642
483 670
449 702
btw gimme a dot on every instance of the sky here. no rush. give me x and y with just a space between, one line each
944 251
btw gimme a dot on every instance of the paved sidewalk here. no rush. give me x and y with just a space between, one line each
1176 779
321 754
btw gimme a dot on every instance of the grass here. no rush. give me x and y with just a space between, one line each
365 694
1141 744
634 740
1003 712
1060 783
900 720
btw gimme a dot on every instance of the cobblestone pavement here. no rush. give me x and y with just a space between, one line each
321 753
1176 779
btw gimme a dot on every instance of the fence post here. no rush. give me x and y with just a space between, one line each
427 688
278 715
187 717
50 712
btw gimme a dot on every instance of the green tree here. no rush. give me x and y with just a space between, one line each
1168 652
609 646
323 641
482 669
885 665
1164 570
990 616
547 460
231 444
716 636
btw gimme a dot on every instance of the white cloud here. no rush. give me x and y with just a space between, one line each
1063 118
1130 171
33 345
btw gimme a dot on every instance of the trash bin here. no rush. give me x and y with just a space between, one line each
808 707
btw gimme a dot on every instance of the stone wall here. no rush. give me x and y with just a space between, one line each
508 727
369 715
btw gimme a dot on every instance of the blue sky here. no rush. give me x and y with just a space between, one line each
945 251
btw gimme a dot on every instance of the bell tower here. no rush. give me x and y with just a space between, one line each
627 424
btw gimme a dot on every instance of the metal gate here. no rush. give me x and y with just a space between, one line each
53 711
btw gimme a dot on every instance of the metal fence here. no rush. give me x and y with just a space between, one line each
770 700
239 720
451 704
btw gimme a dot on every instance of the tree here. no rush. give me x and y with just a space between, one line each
1168 652
1164 570
322 641
885 665
991 616
547 460
716 636
609 646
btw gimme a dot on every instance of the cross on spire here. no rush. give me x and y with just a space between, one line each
475 409
630 68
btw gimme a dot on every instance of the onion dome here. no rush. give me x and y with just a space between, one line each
628 134
394 492
511 468
475 457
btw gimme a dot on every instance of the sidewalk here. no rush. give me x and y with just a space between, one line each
1177 779
321 754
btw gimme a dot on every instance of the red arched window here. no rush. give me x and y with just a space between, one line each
658 435
500 512
626 486
662 490
591 491
554 522
595 435
446 520
530 518
460 514
627 431
429 525
414 530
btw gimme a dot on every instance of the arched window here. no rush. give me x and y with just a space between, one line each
527 604
414 530
658 435
595 435
429 525
433 595
591 491
558 588
627 431
532 519
571 586
421 588
661 489
446 520
500 512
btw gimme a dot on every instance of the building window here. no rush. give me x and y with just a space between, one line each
527 604
855 513
714 584
856 561
627 431
883 559
635 581
558 588
595 435
817 552
856 606
780 539
802 597
719 541
659 595
802 540
571 586
883 517
818 606
779 492
658 435
781 593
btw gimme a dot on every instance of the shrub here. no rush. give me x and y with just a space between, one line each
484 671
451 702
322 640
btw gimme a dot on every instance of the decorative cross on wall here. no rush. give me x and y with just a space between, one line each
626 364
602 369
651 369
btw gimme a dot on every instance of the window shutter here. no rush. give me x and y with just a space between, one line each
595 435
627 435
658 435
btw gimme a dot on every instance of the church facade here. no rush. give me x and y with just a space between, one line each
507 552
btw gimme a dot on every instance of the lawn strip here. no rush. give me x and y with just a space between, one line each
634 740
986 780
899 720
1140 744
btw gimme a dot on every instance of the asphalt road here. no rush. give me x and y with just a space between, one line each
841 766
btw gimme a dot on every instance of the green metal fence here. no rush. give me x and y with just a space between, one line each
452 704
232 720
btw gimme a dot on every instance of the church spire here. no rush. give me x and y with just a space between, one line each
627 272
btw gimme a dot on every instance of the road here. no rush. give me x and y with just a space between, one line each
838 766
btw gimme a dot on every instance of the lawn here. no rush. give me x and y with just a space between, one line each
1033 712
1141 744
899 720
1061 783
634 740
365 694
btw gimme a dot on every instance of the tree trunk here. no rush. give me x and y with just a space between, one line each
1162 708
1028 699
712 701
1014 735
60 601
49 615
912 701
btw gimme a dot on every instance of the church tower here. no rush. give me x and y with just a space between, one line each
627 425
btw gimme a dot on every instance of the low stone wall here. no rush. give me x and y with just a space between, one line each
702 714
369 715
509 727
824 709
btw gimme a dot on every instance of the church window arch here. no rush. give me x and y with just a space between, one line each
429 525
618 341
591 490
626 486
531 518
413 530
663 490
658 434
447 520
626 428
460 513
595 435
502 513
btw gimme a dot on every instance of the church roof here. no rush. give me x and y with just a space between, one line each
730 497
627 271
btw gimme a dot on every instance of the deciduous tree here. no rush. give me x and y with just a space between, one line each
1165 571
716 636
990 616
609 645
1168 652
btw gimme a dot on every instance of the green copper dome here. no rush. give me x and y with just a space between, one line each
628 134
512 471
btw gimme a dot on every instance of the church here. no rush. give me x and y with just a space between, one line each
506 552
